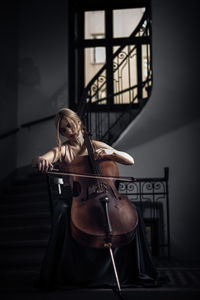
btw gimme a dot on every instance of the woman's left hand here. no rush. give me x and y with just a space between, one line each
102 153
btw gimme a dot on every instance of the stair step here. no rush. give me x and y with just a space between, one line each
17 260
31 179
26 188
24 198
25 219
15 273
18 278
24 243
35 192
25 226
25 207
24 247
27 291
24 232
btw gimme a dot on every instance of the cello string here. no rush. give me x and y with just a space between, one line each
95 165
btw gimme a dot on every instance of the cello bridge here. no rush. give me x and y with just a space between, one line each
98 188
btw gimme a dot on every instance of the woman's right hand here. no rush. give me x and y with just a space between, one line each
42 164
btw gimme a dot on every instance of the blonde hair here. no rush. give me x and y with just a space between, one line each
74 121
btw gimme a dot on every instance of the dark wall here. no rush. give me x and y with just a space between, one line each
33 73
8 84
166 132
8 65
43 44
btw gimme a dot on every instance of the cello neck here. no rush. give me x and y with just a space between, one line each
94 163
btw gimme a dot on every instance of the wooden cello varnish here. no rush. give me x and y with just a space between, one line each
88 221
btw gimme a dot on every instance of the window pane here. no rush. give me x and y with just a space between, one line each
94 24
94 60
146 69
98 55
126 20
125 76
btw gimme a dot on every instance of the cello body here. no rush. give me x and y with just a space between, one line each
88 219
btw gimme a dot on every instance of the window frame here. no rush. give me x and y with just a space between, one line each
77 43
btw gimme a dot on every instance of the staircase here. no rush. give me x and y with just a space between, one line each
24 230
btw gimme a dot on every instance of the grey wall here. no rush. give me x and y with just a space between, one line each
166 133
43 75
8 86
34 76
42 58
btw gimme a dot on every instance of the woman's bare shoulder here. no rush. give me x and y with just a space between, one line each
56 148
56 151
100 144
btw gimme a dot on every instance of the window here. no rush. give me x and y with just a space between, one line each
98 34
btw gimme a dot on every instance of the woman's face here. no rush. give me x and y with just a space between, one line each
67 129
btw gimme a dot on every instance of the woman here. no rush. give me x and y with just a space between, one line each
66 262
69 125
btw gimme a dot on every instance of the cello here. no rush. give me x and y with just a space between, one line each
100 216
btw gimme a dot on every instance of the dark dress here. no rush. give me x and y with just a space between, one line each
67 264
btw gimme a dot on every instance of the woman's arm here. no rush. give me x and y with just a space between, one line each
45 161
103 150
